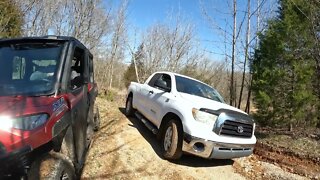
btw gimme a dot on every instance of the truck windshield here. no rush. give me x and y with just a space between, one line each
189 86
28 68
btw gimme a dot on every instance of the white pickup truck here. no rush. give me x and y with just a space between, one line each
190 116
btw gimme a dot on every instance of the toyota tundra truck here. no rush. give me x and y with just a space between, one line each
47 107
189 116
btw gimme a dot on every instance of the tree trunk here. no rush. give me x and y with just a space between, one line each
232 91
246 55
247 110
135 67
111 75
256 45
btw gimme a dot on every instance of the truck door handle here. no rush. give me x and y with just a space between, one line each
151 92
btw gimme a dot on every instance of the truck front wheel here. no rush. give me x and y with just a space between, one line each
172 140
52 166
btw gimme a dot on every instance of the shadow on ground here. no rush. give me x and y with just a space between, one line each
186 160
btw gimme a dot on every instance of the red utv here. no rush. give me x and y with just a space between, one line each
47 107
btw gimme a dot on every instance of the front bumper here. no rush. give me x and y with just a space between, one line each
215 150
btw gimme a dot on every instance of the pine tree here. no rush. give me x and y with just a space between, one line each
10 19
284 68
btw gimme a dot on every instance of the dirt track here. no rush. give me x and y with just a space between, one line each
125 149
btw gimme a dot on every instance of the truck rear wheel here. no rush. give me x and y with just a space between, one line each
129 111
52 166
172 140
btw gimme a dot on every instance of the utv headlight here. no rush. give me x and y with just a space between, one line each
204 117
24 122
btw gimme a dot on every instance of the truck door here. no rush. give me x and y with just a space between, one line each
157 98
144 97
78 92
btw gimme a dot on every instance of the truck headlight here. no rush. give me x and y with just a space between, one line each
24 122
204 117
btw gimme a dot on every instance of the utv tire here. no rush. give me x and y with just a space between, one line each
52 166
96 119
129 111
171 141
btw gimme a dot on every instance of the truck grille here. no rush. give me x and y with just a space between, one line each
236 129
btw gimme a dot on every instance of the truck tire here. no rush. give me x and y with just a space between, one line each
52 166
171 141
129 111
96 119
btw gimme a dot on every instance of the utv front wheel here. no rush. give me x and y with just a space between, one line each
129 111
52 166
172 140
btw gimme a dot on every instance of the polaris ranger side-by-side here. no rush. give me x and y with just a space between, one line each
47 107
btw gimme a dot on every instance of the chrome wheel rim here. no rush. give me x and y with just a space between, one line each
168 139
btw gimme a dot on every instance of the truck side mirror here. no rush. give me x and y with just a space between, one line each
162 85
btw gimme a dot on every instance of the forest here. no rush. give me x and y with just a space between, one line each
271 64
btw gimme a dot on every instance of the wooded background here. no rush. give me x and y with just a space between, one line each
272 54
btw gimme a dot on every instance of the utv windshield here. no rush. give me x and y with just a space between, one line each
189 86
28 68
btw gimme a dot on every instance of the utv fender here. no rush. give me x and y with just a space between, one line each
63 140
62 124
67 147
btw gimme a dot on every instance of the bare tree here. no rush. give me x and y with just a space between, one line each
134 55
118 39
101 28
247 43
87 20
232 83
237 44
168 47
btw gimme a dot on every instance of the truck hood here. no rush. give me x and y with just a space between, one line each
20 103
200 102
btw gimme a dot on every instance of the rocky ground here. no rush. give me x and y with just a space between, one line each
125 149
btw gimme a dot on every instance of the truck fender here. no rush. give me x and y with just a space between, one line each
167 117
133 87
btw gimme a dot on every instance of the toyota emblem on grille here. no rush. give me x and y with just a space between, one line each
240 129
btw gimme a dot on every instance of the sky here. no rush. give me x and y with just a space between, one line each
142 14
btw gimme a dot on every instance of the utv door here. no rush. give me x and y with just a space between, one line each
92 94
79 102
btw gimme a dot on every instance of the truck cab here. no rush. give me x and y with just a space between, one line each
47 106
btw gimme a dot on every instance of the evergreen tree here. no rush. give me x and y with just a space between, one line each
284 69
10 19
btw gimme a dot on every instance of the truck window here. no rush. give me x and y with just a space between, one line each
153 79
190 86
167 79
163 77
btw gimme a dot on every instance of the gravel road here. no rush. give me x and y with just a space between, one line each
125 149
